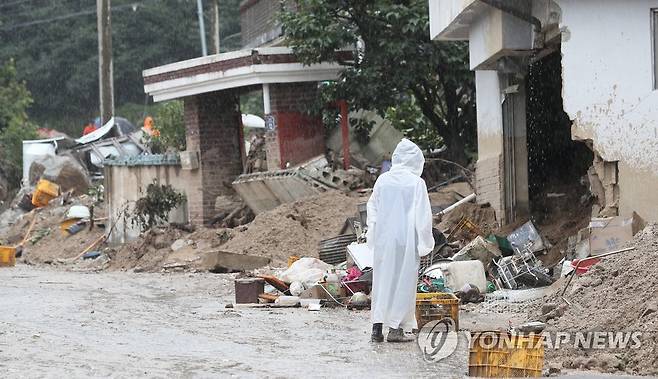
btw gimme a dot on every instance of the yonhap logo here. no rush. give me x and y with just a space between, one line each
438 339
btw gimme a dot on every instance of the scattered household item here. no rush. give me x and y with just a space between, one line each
609 234
307 270
287 301
32 149
436 306
458 274
522 268
247 290
361 255
334 250
45 191
596 259
455 205
505 355
91 255
526 237
359 299
76 227
7 256
275 282
292 259
78 212
332 284
308 303
478 249
296 288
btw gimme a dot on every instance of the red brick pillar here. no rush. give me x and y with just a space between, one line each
214 130
297 136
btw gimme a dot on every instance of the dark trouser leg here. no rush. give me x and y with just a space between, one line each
377 334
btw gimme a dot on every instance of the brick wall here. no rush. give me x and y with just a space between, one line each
213 129
258 22
298 135
489 184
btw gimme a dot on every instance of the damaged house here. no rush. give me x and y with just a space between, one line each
210 88
566 90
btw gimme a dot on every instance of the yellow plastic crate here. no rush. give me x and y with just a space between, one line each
505 355
45 191
7 256
436 306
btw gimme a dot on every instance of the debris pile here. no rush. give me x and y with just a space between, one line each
295 228
617 294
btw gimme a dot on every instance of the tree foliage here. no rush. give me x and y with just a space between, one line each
14 124
170 124
58 59
397 68
153 209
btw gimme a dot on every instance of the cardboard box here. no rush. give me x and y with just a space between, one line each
609 234
317 292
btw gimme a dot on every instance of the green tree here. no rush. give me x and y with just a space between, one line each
170 124
14 124
396 64
56 46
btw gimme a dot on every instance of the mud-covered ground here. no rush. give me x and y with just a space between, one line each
121 324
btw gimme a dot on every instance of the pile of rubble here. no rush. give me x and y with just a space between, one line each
618 294
293 229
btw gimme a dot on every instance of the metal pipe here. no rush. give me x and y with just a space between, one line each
455 205
266 99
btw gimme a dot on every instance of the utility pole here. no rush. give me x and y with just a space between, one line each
215 26
106 82
202 27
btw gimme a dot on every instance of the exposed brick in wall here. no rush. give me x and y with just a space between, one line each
298 136
258 22
213 129
489 184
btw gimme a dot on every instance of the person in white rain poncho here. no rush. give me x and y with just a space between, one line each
399 233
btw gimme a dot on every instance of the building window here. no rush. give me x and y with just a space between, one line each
654 43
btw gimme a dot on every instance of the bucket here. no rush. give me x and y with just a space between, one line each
46 191
7 256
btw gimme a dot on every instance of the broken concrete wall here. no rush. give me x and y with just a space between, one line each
608 92
126 184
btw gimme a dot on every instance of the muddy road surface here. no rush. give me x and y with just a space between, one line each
74 324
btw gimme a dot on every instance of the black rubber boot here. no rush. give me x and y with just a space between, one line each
397 335
377 334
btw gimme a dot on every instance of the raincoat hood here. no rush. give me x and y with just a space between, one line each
408 156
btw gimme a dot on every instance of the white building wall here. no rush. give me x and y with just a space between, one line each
608 91
489 180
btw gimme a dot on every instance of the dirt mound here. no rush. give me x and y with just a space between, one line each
295 228
290 229
153 251
618 294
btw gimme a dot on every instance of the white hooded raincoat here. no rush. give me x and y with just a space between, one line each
399 232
